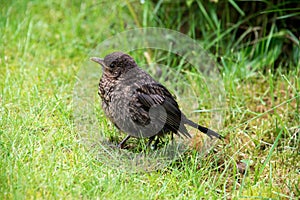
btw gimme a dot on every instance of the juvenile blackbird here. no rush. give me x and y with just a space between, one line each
137 104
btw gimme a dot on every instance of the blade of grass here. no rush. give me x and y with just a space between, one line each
263 166
237 7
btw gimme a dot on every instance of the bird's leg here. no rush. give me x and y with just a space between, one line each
150 140
156 143
172 138
121 144
154 146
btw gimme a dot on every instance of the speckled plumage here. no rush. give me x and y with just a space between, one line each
136 103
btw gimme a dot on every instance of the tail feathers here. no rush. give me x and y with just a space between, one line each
209 132
184 131
203 129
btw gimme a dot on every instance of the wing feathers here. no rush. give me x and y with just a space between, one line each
151 96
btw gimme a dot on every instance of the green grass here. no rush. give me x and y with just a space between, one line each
44 45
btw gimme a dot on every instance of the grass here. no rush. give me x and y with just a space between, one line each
44 45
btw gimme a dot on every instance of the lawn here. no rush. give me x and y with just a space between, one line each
44 47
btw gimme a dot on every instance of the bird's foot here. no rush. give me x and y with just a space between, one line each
121 144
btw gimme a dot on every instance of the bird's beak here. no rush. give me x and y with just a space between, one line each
98 60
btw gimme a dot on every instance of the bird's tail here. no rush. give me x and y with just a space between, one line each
203 129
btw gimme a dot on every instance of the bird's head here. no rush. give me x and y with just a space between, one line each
115 64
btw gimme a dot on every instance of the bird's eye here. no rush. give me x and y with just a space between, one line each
112 65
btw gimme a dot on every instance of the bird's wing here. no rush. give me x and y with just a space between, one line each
166 111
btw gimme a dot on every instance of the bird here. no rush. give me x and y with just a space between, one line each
137 104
